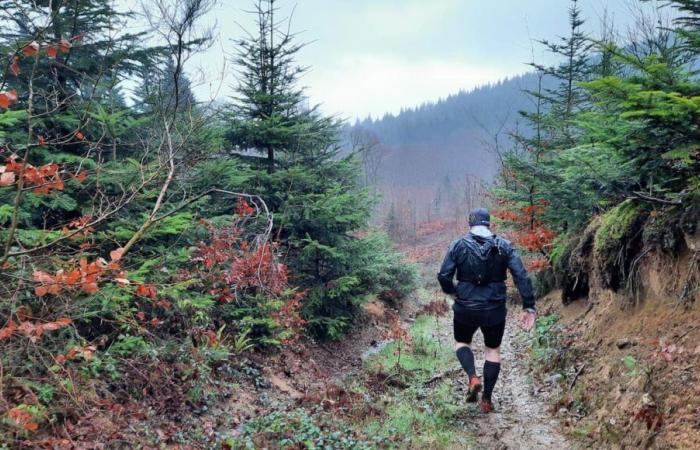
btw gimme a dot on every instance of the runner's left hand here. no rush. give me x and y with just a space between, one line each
528 320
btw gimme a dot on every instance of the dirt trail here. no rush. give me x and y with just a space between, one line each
522 419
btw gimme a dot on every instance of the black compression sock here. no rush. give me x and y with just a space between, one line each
466 359
491 370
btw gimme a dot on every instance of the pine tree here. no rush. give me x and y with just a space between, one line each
564 100
270 114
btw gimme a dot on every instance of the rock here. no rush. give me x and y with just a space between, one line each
555 378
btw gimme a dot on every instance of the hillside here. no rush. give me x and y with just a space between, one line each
439 158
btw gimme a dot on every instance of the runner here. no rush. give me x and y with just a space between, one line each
480 260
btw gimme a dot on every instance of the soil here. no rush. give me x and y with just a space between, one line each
522 418
641 384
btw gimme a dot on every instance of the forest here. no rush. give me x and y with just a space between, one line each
249 272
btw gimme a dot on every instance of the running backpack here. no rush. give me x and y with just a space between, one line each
482 261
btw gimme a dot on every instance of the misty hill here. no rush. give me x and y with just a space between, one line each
453 137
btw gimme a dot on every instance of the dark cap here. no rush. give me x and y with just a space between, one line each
479 216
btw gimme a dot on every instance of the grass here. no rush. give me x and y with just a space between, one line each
420 416
427 354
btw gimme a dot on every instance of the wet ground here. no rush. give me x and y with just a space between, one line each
522 419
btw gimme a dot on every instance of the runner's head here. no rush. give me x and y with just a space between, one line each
479 217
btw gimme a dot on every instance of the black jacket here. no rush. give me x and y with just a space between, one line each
480 264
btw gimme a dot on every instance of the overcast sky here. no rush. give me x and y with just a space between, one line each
376 56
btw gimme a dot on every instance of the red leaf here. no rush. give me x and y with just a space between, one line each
79 135
51 51
31 48
116 255
64 46
8 98
8 329
7 178
141 315
58 324
147 290
41 291
14 67
90 287
81 176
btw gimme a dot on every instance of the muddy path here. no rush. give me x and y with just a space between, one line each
522 419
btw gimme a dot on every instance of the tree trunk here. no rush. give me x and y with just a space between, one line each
270 160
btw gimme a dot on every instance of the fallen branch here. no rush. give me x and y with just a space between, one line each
649 198
443 375
578 374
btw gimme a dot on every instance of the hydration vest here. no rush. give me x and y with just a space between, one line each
480 260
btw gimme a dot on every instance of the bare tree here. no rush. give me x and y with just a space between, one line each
372 153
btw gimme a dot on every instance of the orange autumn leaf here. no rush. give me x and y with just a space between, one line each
64 46
163 303
22 418
57 324
8 98
79 135
14 67
51 51
116 254
7 330
41 291
146 290
81 176
72 353
89 287
243 208
31 48
7 178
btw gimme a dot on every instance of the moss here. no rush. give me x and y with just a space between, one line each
559 246
615 225
617 242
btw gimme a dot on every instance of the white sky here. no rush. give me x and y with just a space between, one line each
377 56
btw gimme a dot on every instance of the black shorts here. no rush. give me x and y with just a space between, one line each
491 322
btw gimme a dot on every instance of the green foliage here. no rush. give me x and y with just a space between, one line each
427 354
616 224
620 142
546 340
299 428
317 197
362 266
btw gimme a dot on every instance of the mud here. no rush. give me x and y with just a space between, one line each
522 419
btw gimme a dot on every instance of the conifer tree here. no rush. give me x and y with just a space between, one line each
574 49
271 113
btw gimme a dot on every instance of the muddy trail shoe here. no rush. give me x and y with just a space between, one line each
474 389
486 406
